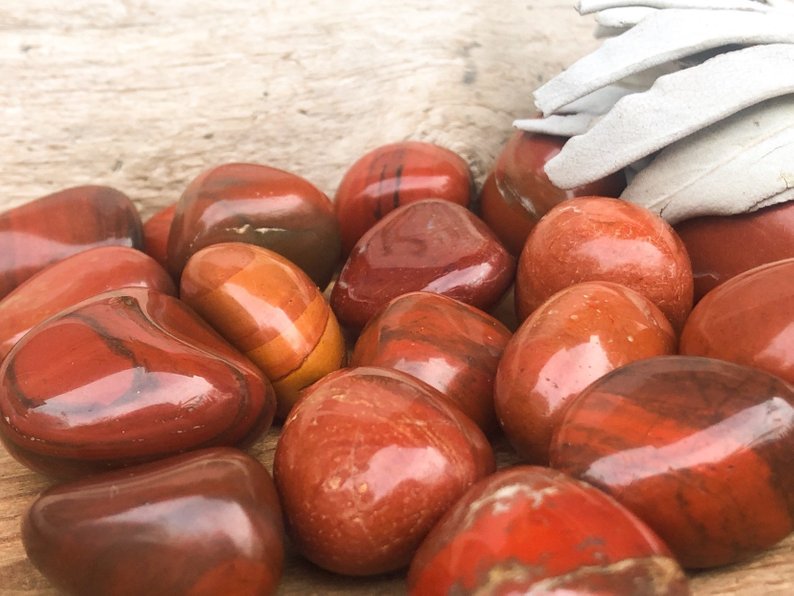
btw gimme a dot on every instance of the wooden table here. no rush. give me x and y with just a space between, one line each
142 95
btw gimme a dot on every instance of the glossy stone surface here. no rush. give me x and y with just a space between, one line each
268 309
532 530
575 337
434 246
59 225
394 175
603 239
699 449
447 344
367 461
748 320
155 234
122 378
721 247
518 192
258 205
67 282
206 522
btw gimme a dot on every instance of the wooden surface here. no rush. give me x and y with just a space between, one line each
143 95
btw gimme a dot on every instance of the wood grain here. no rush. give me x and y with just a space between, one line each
143 95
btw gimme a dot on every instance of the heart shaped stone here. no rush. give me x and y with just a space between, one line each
126 377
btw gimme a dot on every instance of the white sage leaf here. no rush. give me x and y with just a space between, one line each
601 100
740 164
567 125
662 37
623 18
591 6
675 106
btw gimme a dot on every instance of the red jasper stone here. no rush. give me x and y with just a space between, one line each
434 246
367 461
721 247
155 234
268 309
72 280
258 205
575 337
518 192
748 320
206 522
122 378
394 175
699 449
447 344
603 239
59 225
531 530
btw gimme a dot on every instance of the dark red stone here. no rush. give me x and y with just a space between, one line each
531 530
604 239
575 337
721 247
433 246
59 225
126 377
447 344
259 205
748 320
699 449
206 522
367 462
76 278
155 234
394 175
518 192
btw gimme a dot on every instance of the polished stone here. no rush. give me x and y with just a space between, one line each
206 522
699 449
432 245
449 345
122 378
721 247
603 239
367 461
258 205
574 338
748 320
532 530
155 234
59 225
270 310
394 175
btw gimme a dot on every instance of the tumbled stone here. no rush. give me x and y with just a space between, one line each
574 338
449 345
259 205
394 175
122 378
532 530
366 463
59 225
433 246
270 310
699 449
206 522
